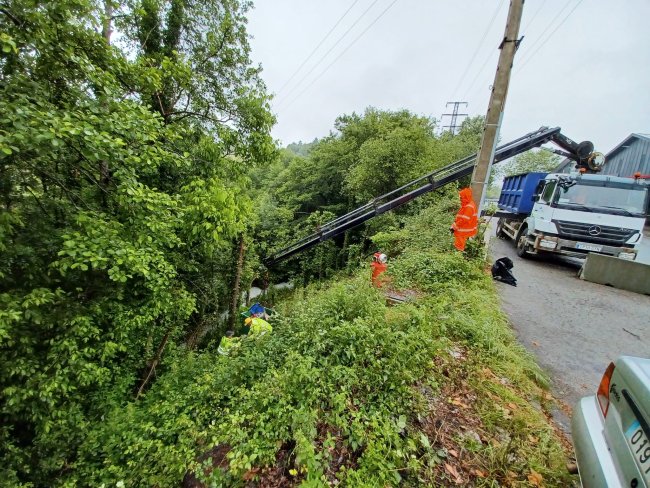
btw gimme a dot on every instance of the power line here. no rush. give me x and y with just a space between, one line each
318 46
329 51
342 53
479 72
531 46
548 26
478 48
541 4
549 36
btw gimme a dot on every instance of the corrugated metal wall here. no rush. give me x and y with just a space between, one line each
628 160
632 157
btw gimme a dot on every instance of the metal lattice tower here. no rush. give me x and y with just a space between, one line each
453 125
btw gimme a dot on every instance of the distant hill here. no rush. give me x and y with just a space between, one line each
302 148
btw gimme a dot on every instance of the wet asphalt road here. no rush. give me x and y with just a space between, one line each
573 327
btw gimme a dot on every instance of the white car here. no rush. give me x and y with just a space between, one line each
611 431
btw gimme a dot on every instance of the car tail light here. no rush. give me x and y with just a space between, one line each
603 389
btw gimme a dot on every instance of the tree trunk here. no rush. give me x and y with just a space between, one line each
234 304
107 24
342 260
197 332
154 363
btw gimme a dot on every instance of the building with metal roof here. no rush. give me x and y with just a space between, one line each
629 157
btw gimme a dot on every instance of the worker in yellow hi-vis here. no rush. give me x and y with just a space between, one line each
228 343
466 223
258 326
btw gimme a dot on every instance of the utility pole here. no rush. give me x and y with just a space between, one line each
454 116
497 103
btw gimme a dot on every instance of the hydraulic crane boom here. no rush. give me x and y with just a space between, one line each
581 153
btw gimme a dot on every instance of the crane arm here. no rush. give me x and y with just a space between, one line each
432 181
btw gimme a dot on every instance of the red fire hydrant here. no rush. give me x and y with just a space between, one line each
378 267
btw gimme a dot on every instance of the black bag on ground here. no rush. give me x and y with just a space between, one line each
501 271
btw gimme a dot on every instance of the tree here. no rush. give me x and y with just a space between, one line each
122 194
302 148
365 156
541 160
450 147
196 65
391 150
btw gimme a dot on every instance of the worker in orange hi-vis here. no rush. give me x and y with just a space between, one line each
466 223
378 267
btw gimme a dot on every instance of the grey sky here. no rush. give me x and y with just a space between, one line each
592 77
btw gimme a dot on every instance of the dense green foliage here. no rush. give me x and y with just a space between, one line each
138 187
122 187
366 156
540 160
335 393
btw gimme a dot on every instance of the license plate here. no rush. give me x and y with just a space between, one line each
588 247
640 448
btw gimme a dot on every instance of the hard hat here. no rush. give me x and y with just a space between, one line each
380 257
248 320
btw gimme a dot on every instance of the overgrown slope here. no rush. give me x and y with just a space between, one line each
139 190
347 390
124 188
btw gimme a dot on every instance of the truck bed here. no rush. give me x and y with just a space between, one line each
517 192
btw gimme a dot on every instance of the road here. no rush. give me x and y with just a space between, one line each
573 327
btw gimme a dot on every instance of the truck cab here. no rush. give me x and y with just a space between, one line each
575 214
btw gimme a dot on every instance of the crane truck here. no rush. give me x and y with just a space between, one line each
568 225
573 214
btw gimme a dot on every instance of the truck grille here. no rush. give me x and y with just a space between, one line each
601 234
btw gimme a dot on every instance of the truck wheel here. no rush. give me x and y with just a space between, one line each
500 233
521 243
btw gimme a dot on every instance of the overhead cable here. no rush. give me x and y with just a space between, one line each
529 48
478 74
532 55
532 18
328 51
548 26
341 54
478 48
317 47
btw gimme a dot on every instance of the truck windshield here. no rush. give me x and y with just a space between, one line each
622 199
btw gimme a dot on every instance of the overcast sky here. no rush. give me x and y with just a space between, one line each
584 65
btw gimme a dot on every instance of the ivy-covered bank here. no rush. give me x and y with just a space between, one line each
349 391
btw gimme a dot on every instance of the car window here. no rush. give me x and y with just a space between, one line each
548 191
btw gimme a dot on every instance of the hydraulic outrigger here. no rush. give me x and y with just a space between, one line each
582 153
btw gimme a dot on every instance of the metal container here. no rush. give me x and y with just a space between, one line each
517 192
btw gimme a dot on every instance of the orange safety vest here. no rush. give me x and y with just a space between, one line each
466 223
377 270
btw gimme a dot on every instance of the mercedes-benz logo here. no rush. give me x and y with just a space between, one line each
594 230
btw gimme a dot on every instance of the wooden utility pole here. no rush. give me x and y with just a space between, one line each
494 115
